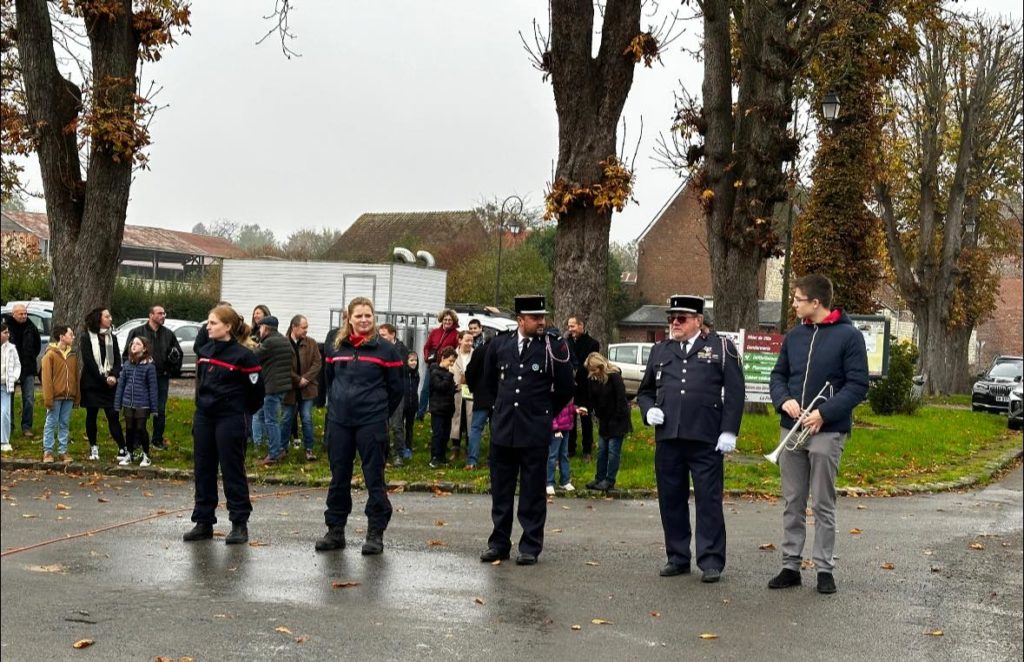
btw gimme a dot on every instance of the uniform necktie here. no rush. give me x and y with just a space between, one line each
522 352
686 347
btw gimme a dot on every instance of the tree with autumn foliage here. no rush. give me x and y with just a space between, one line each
952 162
591 181
88 135
837 234
735 148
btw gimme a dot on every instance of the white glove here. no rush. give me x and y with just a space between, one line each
655 416
726 443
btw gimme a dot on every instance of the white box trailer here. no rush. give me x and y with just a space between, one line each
408 296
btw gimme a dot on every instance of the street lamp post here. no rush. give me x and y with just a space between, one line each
512 204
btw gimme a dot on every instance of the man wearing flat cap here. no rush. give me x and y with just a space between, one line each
692 393
531 375
275 354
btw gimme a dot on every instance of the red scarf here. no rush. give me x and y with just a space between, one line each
356 340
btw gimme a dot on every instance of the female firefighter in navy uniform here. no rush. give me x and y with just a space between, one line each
692 392
228 384
365 377
530 373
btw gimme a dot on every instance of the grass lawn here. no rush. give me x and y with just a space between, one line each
937 444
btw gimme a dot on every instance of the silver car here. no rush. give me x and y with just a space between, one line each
184 330
631 359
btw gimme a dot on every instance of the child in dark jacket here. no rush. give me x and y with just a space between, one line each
411 401
136 398
442 406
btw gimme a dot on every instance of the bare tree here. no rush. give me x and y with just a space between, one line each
955 160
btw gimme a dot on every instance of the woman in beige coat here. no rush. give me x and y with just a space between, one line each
463 396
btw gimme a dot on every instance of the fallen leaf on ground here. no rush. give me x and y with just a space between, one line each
566 508
806 564
936 632
438 492
259 543
282 629
976 545
708 635
768 546
556 530
61 506
655 614
301 639
103 500
888 566
53 567
576 627
344 584
29 515
856 531
63 493
861 507
479 601
440 522
219 534
600 621
147 494
83 643
437 543
592 563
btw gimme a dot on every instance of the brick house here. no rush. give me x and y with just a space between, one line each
1003 333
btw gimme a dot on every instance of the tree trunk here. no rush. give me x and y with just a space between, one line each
944 351
590 93
86 220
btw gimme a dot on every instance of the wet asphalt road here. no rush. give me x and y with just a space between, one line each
140 593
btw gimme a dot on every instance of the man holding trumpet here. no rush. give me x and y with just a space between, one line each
820 376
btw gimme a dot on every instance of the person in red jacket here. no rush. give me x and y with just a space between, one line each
445 335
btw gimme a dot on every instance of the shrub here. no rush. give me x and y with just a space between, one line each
188 299
894 394
24 273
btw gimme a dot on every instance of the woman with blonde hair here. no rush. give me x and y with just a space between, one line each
608 402
229 384
365 377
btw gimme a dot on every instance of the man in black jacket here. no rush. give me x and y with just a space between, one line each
581 344
396 424
531 375
25 337
167 356
275 355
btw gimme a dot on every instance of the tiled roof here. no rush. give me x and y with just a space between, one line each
140 237
373 236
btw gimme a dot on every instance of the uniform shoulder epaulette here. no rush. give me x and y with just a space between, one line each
554 333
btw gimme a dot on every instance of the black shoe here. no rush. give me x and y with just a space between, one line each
374 543
785 579
605 485
711 575
333 539
826 583
592 485
671 570
158 444
492 555
201 531
525 558
239 534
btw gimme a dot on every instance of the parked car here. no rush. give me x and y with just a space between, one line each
992 391
1016 406
184 330
491 321
41 314
631 359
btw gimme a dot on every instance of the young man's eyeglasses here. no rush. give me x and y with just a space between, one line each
797 299
680 318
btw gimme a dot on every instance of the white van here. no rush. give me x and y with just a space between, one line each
491 319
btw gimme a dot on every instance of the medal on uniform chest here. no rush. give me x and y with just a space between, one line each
535 367
705 353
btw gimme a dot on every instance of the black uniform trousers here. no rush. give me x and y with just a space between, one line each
342 443
585 426
220 440
528 467
675 460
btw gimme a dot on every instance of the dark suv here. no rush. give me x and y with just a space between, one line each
992 391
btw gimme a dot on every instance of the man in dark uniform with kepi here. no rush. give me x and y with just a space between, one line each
692 393
531 375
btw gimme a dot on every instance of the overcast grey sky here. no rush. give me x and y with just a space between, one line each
393 106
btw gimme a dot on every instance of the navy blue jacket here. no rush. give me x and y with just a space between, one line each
833 350
530 390
228 379
442 391
411 382
136 388
701 392
366 381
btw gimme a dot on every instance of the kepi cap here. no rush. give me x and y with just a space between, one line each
686 303
530 304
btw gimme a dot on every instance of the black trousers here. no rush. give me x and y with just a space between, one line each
342 443
113 424
410 420
675 461
136 434
528 467
440 430
220 441
586 426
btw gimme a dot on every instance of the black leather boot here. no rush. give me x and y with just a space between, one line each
239 534
374 542
201 531
333 539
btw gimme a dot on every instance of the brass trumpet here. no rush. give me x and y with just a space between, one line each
798 435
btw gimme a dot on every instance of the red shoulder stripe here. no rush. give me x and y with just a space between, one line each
229 366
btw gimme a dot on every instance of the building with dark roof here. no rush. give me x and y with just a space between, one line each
373 236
